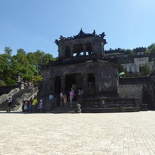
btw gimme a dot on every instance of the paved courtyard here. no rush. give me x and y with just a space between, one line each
77 134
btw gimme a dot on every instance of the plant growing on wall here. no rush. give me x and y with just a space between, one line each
145 70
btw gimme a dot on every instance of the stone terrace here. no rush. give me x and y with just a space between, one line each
131 133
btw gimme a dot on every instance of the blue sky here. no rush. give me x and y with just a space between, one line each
35 24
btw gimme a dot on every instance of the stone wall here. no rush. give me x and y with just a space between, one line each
131 91
105 74
141 88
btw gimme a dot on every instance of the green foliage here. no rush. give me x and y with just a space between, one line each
8 51
37 79
27 64
121 69
151 49
27 78
132 53
10 81
2 83
145 70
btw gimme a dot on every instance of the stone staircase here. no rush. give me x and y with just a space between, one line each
4 105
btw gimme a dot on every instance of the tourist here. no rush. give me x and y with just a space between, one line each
73 88
79 94
50 103
40 106
65 99
26 106
10 101
34 104
71 95
23 105
30 105
61 99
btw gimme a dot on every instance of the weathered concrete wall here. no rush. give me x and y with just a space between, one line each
138 87
131 91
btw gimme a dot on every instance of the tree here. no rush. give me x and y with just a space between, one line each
2 83
8 51
121 70
8 69
145 70
151 49
37 79
29 65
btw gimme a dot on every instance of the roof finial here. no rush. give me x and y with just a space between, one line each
81 33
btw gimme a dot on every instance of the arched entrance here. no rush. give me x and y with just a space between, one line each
91 84
73 79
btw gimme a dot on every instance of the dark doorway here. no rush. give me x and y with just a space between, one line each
70 80
91 84
57 85
76 80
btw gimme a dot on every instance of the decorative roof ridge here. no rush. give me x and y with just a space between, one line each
81 34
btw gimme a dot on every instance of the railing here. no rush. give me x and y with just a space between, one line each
107 104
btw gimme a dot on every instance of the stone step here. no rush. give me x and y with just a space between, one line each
66 109
63 110
4 105
74 104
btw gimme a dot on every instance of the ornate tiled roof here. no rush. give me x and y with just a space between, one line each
81 34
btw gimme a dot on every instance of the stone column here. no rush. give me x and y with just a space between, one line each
127 67
63 83
85 84
137 68
71 51
102 49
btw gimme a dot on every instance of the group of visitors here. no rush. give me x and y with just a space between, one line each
32 105
70 96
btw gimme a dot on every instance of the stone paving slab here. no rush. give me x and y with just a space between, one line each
130 133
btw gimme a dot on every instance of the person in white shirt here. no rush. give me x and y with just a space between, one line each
61 99
50 103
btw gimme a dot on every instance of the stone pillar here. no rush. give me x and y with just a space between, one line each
71 51
137 68
93 48
60 49
102 49
63 83
85 84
